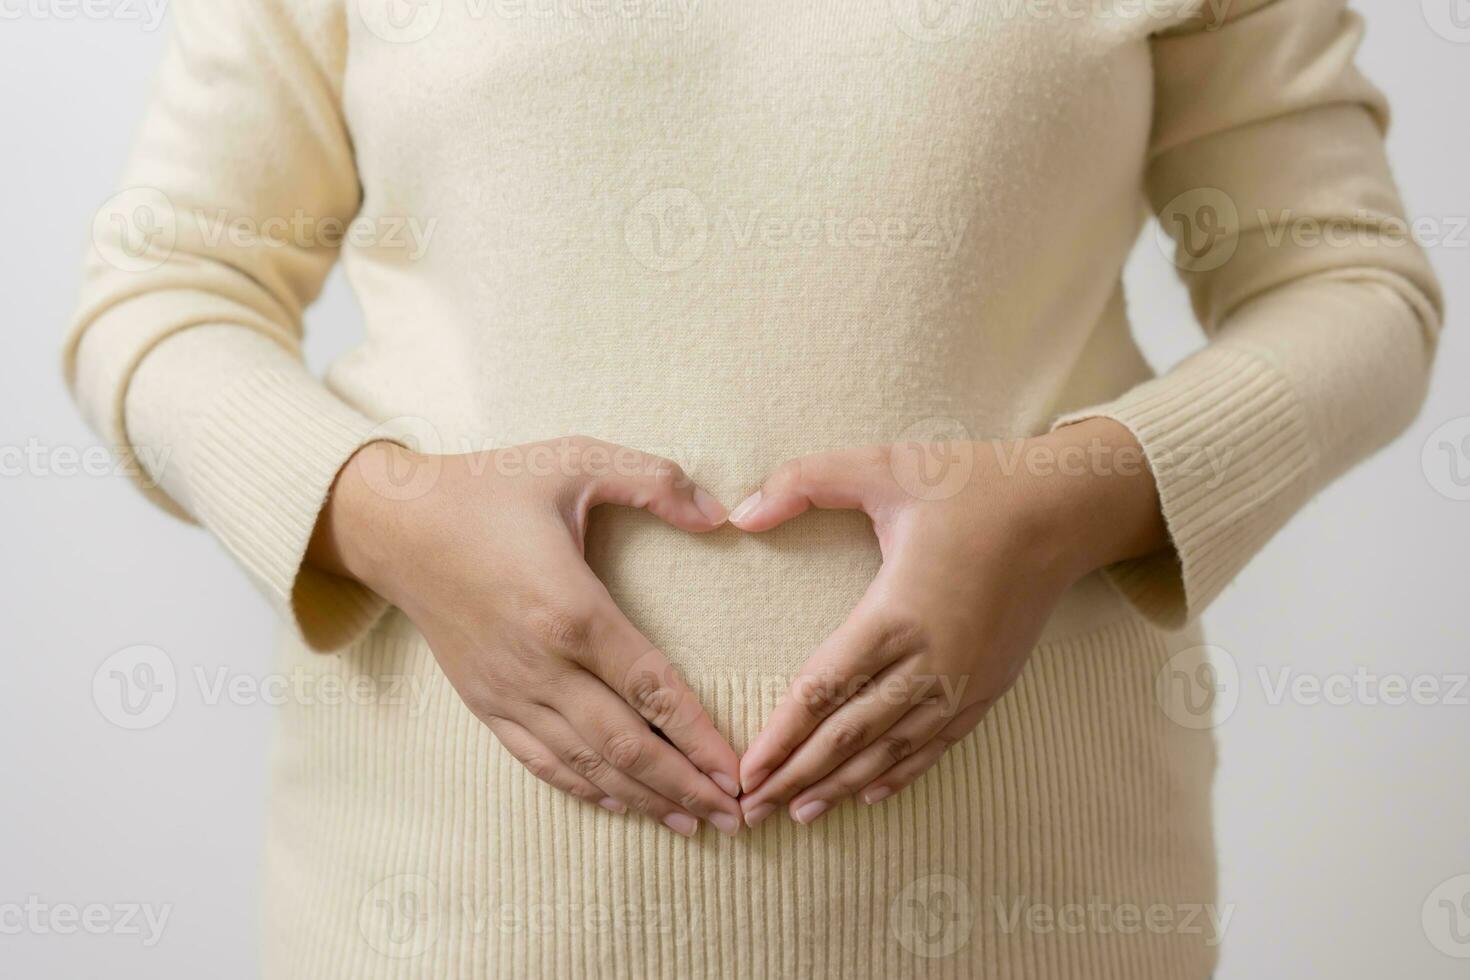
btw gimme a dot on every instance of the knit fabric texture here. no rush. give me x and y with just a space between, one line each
734 233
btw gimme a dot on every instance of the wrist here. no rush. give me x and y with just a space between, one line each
353 531
1098 493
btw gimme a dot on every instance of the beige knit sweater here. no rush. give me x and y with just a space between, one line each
733 233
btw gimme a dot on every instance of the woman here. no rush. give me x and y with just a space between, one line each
857 267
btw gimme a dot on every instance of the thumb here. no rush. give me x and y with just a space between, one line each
847 479
660 487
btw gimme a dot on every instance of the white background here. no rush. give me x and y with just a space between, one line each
1335 821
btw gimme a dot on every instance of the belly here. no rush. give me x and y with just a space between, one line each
727 604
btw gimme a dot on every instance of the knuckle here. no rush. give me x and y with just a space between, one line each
585 762
480 698
848 736
895 748
651 698
561 629
901 631
624 750
667 476
689 799
820 695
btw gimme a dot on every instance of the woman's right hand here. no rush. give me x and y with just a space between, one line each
484 552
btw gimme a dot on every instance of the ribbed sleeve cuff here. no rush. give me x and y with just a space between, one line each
1229 446
268 452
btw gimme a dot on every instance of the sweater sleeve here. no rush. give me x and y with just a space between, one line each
1267 168
186 345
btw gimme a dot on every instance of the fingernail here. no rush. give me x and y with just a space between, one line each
808 812
608 803
726 824
727 783
758 813
875 794
709 506
681 823
746 508
756 778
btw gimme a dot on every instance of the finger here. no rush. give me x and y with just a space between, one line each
855 652
624 660
624 740
657 485
902 775
914 731
846 479
862 721
557 733
544 764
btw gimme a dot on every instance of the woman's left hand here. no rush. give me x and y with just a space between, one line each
973 565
